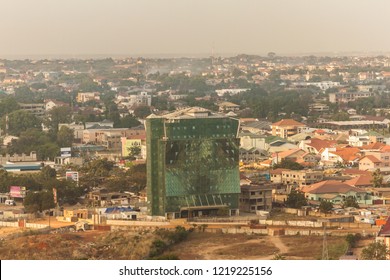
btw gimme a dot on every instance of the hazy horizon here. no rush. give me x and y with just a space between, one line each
193 28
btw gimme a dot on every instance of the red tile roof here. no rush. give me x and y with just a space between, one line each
385 230
354 171
319 144
330 186
372 159
347 154
385 148
360 181
288 122
373 146
288 153
278 171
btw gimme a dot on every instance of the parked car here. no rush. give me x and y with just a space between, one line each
10 202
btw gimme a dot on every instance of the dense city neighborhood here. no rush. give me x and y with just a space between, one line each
279 148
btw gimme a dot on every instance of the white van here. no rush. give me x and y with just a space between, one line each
10 202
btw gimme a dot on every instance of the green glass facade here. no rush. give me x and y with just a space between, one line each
192 162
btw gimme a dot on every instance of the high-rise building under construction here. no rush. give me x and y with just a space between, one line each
192 164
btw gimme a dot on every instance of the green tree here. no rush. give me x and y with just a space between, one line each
350 201
88 85
99 167
19 121
8 105
352 239
377 179
142 111
47 151
56 116
48 173
375 251
137 176
134 151
326 206
296 199
65 137
127 122
288 164
34 140
38 201
340 116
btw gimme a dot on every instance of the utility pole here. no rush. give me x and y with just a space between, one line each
325 253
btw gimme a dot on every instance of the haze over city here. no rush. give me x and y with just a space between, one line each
199 28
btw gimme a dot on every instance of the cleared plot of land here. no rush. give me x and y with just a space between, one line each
227 246
310 247
198 245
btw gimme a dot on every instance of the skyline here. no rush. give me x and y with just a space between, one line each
99 28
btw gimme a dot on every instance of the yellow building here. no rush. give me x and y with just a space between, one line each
286 128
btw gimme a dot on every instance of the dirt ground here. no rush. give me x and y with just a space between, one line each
53 222
209 246
6 231
198 246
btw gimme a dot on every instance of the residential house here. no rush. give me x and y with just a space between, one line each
276 175
255 197
333 156
354 172
286 128
377 146
134 100
365 139
296 177
315 145
359 141
376 160
104 199
318 107
83 97
109 137
371 163
362 181
345 97
336 192
73 215
228 106
252 155
296 155
50 104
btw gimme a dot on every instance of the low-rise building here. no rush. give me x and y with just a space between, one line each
336 192
296 177
36 109
83 97
286 128
255 198
345 97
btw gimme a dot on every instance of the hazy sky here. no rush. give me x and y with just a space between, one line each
145 27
